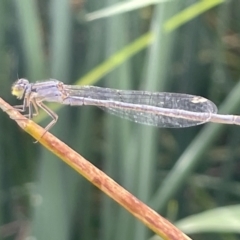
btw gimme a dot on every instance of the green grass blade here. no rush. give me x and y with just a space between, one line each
121 7
31 38
190 13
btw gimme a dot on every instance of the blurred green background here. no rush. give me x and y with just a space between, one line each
190 176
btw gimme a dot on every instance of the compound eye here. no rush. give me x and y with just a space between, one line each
19 87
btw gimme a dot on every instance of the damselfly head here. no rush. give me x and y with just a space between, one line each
19 87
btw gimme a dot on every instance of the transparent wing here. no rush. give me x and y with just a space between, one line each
171 101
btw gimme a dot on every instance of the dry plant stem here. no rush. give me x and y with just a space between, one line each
149 217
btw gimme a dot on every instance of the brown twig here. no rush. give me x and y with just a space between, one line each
149 217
